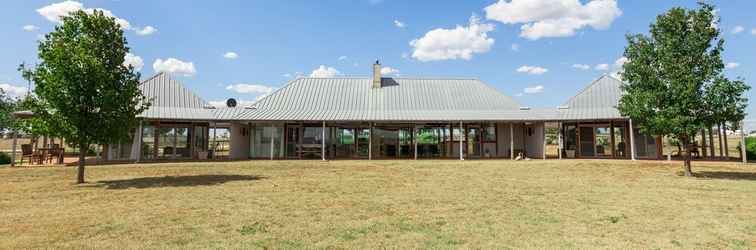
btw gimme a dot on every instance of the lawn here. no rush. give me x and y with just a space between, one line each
381 204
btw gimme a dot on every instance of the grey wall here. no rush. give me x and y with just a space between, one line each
239 142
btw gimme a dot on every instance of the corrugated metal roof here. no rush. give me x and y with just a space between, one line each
163 91
351 99
597 101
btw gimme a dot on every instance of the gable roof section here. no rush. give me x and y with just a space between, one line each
352 99
170 99
597 101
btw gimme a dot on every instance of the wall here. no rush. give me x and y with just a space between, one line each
504 142
239 141
534 141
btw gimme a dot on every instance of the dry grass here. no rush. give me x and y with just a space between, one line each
381 204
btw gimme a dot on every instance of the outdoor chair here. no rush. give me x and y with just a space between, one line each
28 152
55 153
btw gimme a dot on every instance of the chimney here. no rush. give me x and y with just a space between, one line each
377 74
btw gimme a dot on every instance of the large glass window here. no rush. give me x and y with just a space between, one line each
620 146
148 142
645 145
220 142
603 143
267 142
363 142
345 142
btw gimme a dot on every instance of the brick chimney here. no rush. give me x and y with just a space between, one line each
377 74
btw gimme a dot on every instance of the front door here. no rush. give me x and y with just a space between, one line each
586 142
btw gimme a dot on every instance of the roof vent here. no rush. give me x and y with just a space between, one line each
231 103
377 74
208 107
524 108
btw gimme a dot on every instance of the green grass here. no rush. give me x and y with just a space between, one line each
440 204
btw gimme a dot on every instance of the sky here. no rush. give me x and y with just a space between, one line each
541 52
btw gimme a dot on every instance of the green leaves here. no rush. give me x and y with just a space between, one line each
83 91
675 85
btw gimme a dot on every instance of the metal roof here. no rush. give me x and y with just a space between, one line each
163 91
398 99
597 101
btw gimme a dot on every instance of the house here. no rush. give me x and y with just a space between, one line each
380 118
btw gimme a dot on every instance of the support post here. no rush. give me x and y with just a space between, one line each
632 141
414 140
13 150
272 143
743 149
559 138
461 139
215 131
669 149
712 153
322 142
138 135
544 140
370 142
511 141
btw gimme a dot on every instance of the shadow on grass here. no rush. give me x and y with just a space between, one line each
746 176
176 181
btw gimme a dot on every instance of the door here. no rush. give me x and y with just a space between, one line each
586 142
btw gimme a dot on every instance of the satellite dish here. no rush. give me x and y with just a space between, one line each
231 102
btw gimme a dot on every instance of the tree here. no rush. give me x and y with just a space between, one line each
7 106
672 75
83 91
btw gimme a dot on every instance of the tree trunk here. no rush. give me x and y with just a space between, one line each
686 167
724 137
82 159
719 136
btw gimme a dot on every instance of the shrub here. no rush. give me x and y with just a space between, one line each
751 148
4 158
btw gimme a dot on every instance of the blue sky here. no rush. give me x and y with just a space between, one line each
561 46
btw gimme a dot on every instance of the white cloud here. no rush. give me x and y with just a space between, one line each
342 58
405 55
620 62
133 60
324 72
532 70
55 12
753 31
30 28
581 66
146 31
12 90
553 18
230 55
515 47
533 90
398 24
174 66
732 65
458 43
738 29
244 88
388 70
602 67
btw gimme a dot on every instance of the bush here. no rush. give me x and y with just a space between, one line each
751 148
4 158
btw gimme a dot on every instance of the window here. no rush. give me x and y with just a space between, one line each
489 133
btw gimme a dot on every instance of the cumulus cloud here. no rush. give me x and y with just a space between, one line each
13 90
732 65
342 58
55 12
553 18
134 61
533 89
738 29
230 55
244 88
532 70
30 28
458 43
620 62
388 70
398 24
581 66
174 66
324 72
753 31
146 31
602 67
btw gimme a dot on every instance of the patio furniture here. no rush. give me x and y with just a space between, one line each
28 152
55 153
